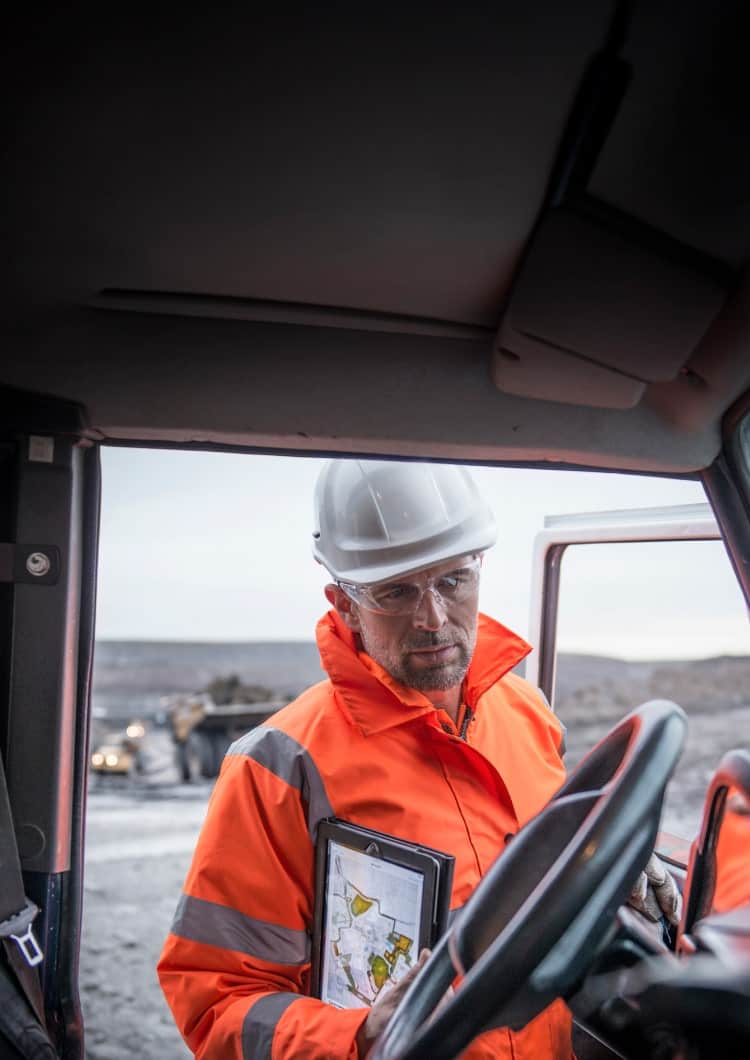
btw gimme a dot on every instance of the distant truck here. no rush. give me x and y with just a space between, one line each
119 753
202 729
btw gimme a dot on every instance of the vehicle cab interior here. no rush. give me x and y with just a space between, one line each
513 235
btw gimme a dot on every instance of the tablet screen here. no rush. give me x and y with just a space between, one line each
371 928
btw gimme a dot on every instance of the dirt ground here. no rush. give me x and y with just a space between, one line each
140 835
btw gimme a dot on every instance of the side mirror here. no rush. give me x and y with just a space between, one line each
718 878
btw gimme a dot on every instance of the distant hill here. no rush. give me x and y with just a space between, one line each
592 687
131 676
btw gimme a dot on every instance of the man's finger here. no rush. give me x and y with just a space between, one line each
415 969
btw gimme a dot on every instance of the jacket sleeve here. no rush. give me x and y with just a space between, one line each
235 968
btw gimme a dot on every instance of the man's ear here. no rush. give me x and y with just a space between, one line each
344 607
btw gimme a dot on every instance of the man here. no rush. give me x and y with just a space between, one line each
421 731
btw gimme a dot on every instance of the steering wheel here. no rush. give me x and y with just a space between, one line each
531 927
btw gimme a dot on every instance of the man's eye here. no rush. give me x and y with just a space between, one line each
457 577
397 592
450 582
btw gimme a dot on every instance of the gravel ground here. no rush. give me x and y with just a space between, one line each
140 837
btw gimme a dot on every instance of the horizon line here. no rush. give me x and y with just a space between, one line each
311 640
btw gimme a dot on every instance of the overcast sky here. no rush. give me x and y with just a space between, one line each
216 547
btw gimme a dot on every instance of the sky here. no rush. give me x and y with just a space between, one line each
217 547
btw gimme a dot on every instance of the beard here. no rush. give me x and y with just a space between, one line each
401 664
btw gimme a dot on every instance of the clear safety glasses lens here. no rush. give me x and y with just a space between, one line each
404 597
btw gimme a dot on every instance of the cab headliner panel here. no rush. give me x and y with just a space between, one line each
293 230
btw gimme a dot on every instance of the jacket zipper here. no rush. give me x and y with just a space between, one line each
465 723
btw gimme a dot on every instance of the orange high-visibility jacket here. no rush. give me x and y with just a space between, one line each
361 747
732 851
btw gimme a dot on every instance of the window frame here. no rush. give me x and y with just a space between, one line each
682 522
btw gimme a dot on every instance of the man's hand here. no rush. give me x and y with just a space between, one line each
385 1006
655 893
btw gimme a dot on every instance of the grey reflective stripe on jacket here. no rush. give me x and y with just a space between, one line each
220 925
259 1025
291 762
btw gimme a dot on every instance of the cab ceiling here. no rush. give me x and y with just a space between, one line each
317 230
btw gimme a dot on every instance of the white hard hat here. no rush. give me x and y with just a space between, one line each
378 519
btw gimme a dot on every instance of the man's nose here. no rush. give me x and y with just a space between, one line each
430 613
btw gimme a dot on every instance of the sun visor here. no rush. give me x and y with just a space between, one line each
595 316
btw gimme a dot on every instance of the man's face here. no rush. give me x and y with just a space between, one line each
429 649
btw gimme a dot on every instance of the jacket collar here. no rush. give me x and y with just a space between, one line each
376 701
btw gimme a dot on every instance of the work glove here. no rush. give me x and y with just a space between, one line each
738 803
655 893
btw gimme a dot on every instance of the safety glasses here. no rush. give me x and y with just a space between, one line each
403 596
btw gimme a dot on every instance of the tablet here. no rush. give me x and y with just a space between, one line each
379 900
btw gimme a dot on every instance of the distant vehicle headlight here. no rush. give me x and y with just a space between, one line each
135 731
97 759
111 760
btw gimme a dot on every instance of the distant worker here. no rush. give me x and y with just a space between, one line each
421 731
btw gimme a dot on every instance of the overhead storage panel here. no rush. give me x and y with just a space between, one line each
602 310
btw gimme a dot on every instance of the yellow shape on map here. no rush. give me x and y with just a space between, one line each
360 904
401 945
379 970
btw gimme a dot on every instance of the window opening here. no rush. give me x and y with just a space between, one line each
207 584
655 620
